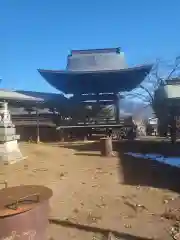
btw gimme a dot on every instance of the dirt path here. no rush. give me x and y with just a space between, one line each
87 191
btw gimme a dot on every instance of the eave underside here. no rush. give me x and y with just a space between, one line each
96 82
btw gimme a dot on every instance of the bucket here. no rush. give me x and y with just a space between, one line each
24 212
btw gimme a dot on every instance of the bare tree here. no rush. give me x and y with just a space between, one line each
161 72
148 94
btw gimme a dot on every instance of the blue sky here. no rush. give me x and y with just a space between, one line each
40 33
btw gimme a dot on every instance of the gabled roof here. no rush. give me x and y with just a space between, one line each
43 95
15 96
173 81
47 99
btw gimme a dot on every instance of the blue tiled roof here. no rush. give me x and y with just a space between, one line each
96 81
96 71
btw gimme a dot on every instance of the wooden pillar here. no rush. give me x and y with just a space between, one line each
116 103
85 138
37 127
61 135
173 124
106 147
173 130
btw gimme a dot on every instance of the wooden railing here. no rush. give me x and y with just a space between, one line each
32 119
50 120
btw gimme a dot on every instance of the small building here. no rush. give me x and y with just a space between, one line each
167 103
33 113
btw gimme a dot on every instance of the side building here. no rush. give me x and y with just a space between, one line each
167 105
34 113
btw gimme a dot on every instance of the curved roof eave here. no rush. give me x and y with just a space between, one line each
96 81
147 67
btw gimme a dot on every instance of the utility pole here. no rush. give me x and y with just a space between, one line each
37 126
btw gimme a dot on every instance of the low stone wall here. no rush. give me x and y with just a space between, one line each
146 172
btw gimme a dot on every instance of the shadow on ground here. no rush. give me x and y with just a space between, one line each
139 171
87 146
144 147
104 232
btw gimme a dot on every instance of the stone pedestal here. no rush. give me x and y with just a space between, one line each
106 147
9 149
10 152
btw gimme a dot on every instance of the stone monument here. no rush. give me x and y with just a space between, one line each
9 149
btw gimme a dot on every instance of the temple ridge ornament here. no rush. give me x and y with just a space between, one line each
9 149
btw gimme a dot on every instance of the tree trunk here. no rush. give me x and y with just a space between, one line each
106 147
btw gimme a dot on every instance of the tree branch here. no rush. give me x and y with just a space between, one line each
177 64
145 89
140 96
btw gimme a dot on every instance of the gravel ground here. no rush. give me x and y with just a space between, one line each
89 198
